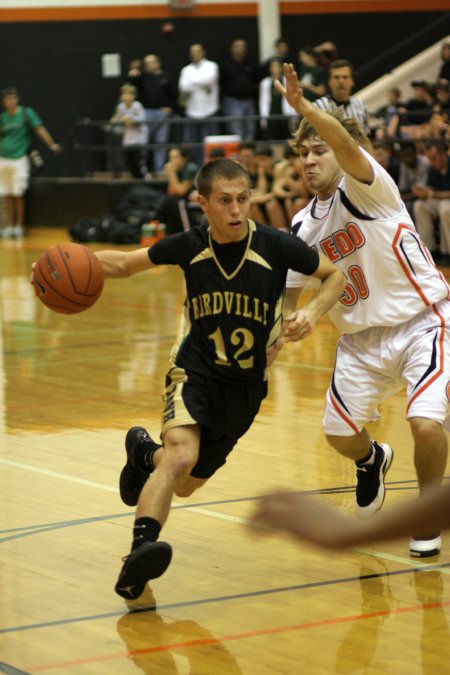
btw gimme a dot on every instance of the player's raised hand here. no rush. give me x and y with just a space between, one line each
292 91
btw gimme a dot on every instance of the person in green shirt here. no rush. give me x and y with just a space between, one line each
17 124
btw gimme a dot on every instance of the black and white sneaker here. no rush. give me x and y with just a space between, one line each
370 489
149 561
425 547
133 475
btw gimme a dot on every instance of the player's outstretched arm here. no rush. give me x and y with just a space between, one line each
124 264
302 322
348 152
307 519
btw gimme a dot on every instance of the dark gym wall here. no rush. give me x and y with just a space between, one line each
57 64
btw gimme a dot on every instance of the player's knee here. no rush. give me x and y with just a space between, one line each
426 432
179 463
185 490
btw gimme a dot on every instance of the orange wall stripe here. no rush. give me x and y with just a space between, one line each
221 9
358 7
126 12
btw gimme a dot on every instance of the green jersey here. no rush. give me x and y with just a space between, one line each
16 131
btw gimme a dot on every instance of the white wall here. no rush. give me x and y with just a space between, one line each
423 66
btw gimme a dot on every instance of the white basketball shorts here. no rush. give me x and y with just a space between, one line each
14 176
375 363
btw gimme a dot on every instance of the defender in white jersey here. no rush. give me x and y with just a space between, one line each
394 312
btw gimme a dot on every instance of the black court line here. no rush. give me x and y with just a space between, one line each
222 598
30 530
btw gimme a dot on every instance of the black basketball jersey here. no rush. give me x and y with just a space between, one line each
233 308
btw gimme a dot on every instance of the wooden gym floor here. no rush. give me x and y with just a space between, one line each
70 387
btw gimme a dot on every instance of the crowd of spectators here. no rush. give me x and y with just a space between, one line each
237 90
408 137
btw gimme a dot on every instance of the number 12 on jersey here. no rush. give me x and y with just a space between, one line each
242 342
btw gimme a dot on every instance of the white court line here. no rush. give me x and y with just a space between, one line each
200 510
109 488
55 474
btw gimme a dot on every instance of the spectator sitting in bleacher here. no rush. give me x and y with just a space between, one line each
384 154
416 110
246 156
289 189
442 97
444 71
180 174
388 114
262 192
413 171
433 202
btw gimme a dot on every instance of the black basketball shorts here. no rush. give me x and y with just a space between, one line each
224 411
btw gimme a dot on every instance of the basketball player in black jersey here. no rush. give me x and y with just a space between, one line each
235 273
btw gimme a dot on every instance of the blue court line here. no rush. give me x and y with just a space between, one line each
28 531
222 598
10 670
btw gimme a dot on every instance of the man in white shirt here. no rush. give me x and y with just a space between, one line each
394 313
198 86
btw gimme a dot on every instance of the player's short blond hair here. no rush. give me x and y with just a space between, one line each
306 129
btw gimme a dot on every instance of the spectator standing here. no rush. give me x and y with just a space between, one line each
271 102
433 201
238 84
311 75
327 52
156 92
17 124
281 53
198 84
341 83
413 171
131 114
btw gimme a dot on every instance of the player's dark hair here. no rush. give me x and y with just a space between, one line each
306 129
340 63
219 168
10 91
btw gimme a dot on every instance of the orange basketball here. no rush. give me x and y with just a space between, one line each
68 278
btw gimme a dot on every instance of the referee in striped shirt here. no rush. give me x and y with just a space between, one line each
340 84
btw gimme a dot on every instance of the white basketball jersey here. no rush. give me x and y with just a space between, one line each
367 232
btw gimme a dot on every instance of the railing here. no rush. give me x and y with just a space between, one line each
95 146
